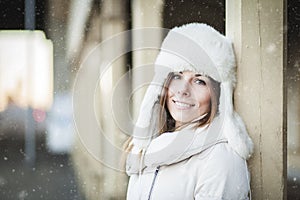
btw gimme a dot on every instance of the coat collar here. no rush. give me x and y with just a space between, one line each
173 147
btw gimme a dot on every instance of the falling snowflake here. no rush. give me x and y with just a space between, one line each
271 48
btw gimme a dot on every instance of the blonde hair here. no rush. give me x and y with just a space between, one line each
167 123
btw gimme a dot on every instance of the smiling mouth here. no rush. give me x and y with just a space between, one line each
184 105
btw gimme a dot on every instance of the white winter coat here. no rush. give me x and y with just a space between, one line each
188 164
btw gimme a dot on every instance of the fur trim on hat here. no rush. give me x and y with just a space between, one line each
183 44
200 48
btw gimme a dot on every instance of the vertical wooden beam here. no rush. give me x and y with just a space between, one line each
257 29
144 14
114 21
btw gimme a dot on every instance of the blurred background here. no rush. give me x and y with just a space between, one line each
43 45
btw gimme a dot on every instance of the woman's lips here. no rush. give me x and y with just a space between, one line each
181 104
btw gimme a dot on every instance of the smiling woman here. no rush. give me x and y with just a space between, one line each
189 97
197 146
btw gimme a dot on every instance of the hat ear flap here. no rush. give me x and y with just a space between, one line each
142 131
149 111
233 126
226 102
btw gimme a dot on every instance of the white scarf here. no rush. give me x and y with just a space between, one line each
173 147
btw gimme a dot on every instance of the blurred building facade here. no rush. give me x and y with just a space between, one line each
265 36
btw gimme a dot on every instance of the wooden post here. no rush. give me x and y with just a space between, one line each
114 21
257 29
144 14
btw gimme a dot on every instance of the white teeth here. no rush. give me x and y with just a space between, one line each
183 104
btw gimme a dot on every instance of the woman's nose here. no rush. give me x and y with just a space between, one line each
183 90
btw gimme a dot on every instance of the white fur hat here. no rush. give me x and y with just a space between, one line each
200 48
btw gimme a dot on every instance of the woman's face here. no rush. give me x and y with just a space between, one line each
188 96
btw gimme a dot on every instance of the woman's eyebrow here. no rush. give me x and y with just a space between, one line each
196 75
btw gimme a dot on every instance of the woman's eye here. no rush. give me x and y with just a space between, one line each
176 76
200 82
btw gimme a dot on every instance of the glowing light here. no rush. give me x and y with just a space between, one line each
26 69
